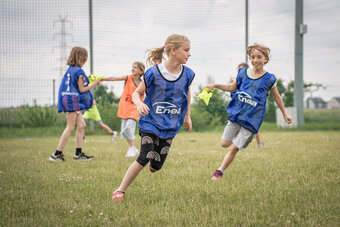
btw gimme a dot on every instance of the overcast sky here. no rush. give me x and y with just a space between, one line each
31 55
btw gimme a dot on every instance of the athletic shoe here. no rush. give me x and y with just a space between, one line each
114 135
136 151
217 175
131 153
82 157
57 158
118 196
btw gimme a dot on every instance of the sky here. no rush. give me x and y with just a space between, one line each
34 47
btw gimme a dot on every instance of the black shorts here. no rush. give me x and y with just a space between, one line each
153 149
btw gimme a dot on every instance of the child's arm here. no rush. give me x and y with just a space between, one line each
187 119
115 78
224 87
81 86
142 108
280 104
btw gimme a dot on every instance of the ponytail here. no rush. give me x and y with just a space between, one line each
155 56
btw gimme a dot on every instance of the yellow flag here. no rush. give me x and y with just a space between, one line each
205 95
98 77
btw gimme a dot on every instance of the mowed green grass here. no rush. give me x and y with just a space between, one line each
293 181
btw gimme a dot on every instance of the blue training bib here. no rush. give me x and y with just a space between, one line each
248 102
69 97
167 101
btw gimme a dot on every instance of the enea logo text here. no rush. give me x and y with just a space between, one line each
244 97
166 108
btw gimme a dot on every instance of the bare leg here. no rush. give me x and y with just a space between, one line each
70 122
106 128
258 140
131 142
229 157
81 125
225 143
130 175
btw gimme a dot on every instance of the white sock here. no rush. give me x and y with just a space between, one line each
220 169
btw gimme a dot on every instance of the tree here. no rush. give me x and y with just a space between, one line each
102 96
215 114
287 94
271 105
309 88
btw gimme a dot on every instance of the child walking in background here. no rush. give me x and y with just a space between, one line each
259 142
93 114
247 108
165 107
127 111
73 97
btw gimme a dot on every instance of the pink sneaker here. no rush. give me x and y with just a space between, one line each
118 196
217 175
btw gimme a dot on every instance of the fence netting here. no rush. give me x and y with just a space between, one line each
36 37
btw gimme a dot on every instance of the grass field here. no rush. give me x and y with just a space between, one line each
293 181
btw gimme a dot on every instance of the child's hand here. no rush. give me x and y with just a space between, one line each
205 95
288 118
142 109
210 87
188 123
92 78
96 82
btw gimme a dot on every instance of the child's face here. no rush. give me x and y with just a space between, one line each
136 70
182 53
257 59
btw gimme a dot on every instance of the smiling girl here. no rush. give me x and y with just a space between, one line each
166 106
247 108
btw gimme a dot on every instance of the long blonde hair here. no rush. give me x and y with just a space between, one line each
140 65
155 55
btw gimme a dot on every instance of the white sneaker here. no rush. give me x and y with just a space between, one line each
114 135
136 151
130 153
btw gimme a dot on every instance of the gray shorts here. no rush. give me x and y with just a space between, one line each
127 130
237 134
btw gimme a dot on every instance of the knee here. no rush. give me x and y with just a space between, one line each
225 143
153 168
233 150
81 126
69 128
142 160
